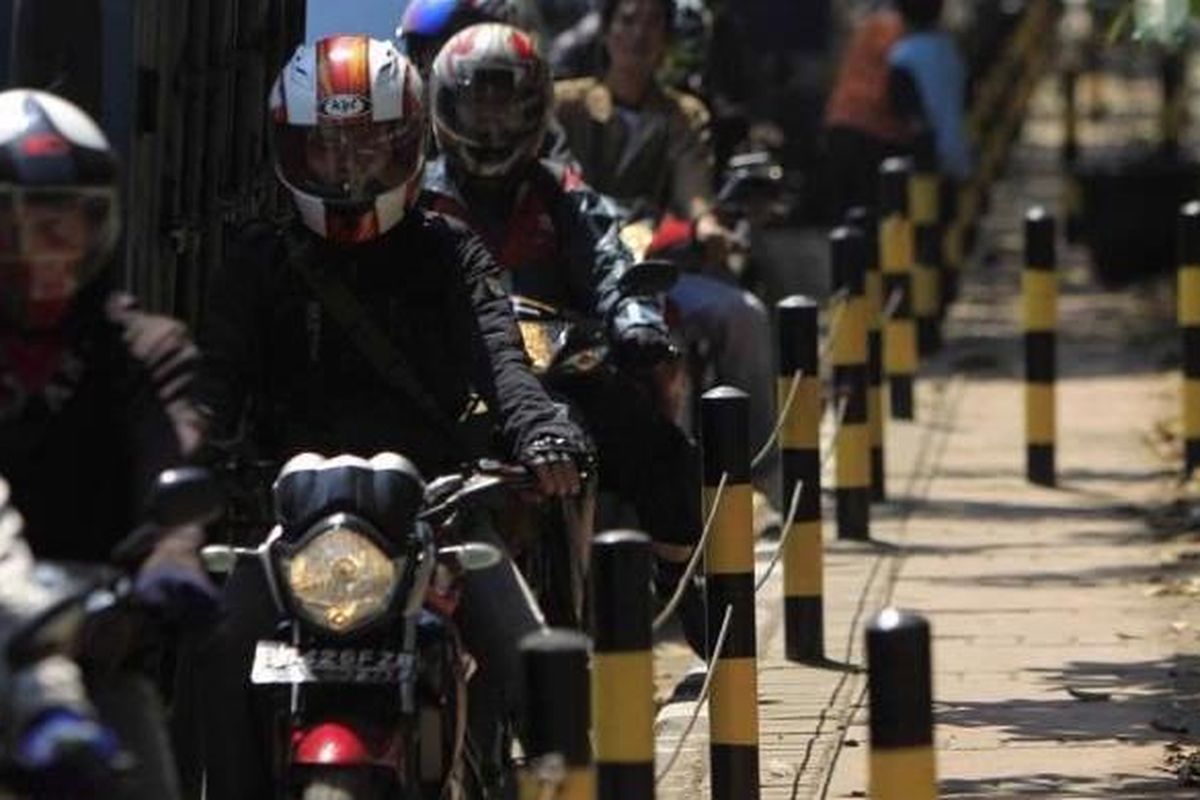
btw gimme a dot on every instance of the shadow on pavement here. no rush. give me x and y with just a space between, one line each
1128 787
1101 701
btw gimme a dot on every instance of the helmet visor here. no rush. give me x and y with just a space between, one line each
491 107
51 241
349 163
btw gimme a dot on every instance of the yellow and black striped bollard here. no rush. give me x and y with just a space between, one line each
1189 325
849 355
622 666
924 196
1174 99
903 764
1039 285
800 445
557 718
1072 197
1070 144
863 219
729 558
952 243
896 254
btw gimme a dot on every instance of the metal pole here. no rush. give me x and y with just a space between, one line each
865 221
1189 326
924 197
800 448
559 753
896 253
622 666
849 355
1039 285
733 706
903 764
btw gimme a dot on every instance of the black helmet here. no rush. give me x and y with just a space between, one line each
59 215
492 97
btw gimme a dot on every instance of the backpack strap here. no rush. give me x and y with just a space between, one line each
374 344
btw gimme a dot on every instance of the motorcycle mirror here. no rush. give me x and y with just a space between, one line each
186 496
218 559
471 557
650 277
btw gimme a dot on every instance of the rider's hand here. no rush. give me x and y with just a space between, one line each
172 581
552 460
644 346
182 595
68 752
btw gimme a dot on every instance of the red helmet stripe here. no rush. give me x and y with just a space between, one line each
343 67
522 45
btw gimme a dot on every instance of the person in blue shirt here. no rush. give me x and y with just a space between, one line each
928 85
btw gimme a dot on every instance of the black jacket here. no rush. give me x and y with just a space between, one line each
273 349
558 238
81 453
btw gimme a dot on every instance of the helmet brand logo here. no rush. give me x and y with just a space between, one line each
345 106
47 144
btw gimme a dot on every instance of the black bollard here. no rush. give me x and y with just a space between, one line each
622 666
729 557
800 446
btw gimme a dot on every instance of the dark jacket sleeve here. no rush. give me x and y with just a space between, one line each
500 369
905 98
162 425
597 259
230 343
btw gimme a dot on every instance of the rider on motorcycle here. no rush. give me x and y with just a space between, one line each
366 325
559 243
648 147
47 724
93 405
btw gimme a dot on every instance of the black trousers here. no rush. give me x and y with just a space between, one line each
853 160
645 459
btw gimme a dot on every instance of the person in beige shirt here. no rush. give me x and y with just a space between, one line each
647 146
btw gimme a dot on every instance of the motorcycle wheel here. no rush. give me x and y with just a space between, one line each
342 785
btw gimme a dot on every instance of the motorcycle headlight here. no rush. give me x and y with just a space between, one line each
340 580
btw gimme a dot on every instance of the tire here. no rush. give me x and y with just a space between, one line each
348 784
556 583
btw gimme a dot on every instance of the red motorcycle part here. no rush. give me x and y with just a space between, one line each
671 233
344 745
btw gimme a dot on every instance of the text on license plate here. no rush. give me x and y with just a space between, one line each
280 662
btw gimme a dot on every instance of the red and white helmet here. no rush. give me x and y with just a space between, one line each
349 127
492 97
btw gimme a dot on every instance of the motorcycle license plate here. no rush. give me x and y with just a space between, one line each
279 662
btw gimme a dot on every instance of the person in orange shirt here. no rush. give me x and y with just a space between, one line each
861 127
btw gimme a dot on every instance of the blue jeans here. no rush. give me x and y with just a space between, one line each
736 327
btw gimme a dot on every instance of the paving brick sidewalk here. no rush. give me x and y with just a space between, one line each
1057 660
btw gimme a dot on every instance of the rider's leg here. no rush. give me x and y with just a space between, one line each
737 326
649 462
129 704
236 755
496 611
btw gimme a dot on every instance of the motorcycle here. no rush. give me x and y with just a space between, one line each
87 603
366 675
565 347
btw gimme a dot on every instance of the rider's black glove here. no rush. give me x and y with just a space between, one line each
557 462
641 346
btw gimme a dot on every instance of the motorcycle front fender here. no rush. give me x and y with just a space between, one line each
344 744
